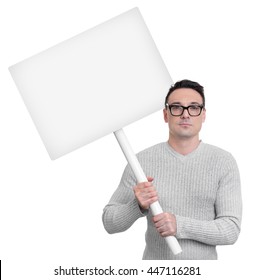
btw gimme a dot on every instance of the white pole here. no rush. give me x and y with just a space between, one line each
141 177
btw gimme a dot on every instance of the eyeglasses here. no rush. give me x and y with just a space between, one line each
178 110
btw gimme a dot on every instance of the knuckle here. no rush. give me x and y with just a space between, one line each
174 232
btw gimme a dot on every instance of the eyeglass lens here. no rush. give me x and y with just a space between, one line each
193 110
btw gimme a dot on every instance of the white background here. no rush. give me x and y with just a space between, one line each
50 211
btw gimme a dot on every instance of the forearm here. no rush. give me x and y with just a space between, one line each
120 217
221 231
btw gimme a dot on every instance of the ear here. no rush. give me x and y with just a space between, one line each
165 115
204 115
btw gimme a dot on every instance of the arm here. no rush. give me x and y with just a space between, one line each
225 228
123 208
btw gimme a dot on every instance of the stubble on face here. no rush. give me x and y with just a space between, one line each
184 127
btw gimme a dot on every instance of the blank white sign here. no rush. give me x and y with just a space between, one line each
94 83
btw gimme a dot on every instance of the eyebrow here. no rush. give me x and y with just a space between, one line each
179 103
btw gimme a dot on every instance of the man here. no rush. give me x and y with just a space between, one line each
198 186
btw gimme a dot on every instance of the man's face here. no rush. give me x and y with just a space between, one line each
184 126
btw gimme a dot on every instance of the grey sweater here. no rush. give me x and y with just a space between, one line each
202 189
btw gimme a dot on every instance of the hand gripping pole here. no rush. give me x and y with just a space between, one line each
141 177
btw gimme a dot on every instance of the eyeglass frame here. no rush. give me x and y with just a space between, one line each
185 108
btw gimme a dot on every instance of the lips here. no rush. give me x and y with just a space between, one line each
184 123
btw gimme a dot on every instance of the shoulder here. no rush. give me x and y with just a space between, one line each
151 151
217 154
208 148
146 158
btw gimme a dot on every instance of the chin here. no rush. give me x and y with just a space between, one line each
185 134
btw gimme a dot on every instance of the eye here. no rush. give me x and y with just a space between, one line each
194 107
176 107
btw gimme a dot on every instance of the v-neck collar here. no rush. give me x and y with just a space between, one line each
184 157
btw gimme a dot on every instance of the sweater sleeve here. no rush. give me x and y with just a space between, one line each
123 208
225 228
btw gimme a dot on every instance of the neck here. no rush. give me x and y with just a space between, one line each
184 146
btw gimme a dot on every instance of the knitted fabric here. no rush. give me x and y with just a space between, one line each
202 189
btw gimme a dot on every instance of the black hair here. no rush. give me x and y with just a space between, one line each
186 84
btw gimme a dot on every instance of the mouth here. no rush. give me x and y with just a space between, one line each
185 124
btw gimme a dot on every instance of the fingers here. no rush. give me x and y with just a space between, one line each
145 193
165 224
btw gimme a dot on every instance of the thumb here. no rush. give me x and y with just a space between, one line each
150 179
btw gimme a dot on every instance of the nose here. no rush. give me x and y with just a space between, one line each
185 114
